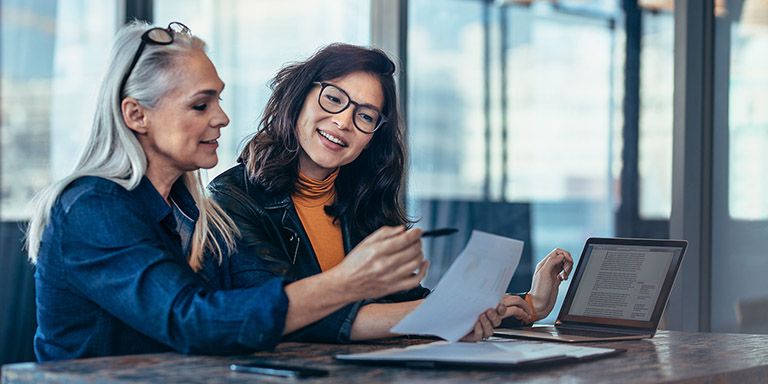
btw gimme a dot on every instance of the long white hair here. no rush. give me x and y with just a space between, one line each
114 153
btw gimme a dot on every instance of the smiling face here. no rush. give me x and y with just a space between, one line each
181 131
329 141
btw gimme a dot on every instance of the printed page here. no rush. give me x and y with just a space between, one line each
475 282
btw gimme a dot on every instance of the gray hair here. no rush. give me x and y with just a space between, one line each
113 152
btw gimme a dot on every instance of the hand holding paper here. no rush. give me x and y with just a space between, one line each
476 281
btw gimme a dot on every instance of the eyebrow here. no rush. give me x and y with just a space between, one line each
371 106
207 92
368 105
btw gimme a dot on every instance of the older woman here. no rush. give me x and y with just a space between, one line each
321 182
119 243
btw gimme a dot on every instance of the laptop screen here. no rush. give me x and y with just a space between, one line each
622 282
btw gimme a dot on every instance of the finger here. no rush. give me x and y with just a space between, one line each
510 300
408 267
513 301
414 280
383 233
561 263
478 330
401 242
501 309
486 325
406 261
409 258
516 301
476 334
567 265
568 256
493 317
558 260
519 313
546 260
416 231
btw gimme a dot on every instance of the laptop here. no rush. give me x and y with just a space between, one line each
618 292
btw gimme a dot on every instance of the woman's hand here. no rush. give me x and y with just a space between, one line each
485 324
383 263
515 306
550 271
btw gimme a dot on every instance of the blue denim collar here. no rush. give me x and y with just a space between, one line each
157 206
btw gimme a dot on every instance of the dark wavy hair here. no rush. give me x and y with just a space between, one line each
367 189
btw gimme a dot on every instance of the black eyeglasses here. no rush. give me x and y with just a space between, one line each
159 36
333 99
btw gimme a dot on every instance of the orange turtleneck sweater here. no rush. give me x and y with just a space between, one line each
310 199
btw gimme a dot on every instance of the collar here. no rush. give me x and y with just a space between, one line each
157 206
257 192
312 192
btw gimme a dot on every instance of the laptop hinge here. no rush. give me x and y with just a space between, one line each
602 328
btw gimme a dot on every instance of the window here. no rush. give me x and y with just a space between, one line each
748 116
656 92
516 121
740 169
52 63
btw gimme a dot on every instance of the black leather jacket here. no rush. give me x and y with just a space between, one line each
273 242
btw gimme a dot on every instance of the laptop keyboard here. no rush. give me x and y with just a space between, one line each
585 333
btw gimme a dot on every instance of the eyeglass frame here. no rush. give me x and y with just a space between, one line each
146 39
323 85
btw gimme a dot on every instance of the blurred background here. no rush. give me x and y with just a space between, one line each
548 121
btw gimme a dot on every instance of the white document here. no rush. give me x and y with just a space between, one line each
475 282
495 352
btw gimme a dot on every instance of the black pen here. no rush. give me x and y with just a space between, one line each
439 232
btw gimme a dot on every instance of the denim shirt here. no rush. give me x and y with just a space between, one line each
112 279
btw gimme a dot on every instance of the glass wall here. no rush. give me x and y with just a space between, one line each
655 125
53 58
516 122
740 179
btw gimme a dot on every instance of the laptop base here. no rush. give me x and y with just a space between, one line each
566 335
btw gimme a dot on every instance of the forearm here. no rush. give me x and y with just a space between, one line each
375 320
314 298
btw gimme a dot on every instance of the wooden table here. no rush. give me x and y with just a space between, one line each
670 357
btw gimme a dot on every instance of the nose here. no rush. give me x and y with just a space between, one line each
344 119
220 119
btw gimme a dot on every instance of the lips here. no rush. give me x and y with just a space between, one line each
212 141
336 140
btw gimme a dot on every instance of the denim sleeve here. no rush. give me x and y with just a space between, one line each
249 270
119 261
337 327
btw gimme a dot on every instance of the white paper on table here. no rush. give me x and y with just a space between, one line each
496 352
475 282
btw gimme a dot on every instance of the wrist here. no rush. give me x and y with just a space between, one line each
337 284
529 298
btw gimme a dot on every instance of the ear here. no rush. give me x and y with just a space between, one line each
134 115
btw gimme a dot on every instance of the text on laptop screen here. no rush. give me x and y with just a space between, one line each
622 281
